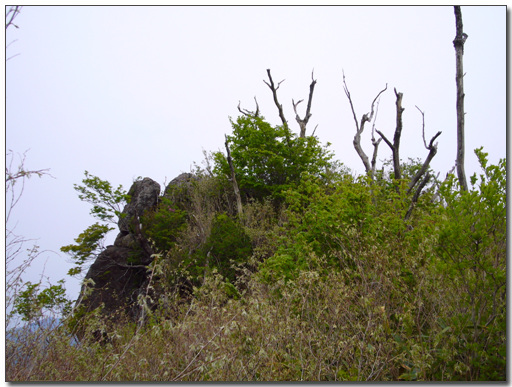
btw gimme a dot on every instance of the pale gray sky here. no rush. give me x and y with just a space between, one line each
140 91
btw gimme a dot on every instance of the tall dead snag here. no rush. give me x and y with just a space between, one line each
395 146
458 43
233 180
273 87
370 168
304 121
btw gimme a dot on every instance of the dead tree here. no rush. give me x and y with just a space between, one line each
304 121
395 146
233 180
370 168
458 43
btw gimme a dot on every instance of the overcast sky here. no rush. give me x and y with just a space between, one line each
124 92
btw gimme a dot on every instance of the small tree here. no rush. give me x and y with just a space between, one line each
107 205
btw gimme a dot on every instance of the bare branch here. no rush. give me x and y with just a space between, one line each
249 113
422 126
233 179
11 15
257 113
345 88
395 147
432 148
274 93
416 196
385 138
304 121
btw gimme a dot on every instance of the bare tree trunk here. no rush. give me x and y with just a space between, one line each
458 43
233 180
303 122
370 168
395 146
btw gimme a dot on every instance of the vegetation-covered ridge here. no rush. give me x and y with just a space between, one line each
320 276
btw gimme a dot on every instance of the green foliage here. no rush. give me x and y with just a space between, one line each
472 255
269 160
107 202
88 246
163 225
227 245
32 303
334 222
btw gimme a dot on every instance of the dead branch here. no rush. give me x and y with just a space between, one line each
233 179
417 195
11 15
458 43
431 147
360 127
274 89
375 143
422 125
314 130
248 112
304 121
395 146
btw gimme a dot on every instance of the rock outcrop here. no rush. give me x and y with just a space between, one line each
119 272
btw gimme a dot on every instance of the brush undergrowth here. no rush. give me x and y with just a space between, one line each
330 285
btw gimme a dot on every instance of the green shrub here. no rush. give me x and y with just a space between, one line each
163 225
472 258
227 245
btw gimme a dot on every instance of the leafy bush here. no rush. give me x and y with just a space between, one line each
472 256
268 160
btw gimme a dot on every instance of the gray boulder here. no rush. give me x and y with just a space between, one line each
144 195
